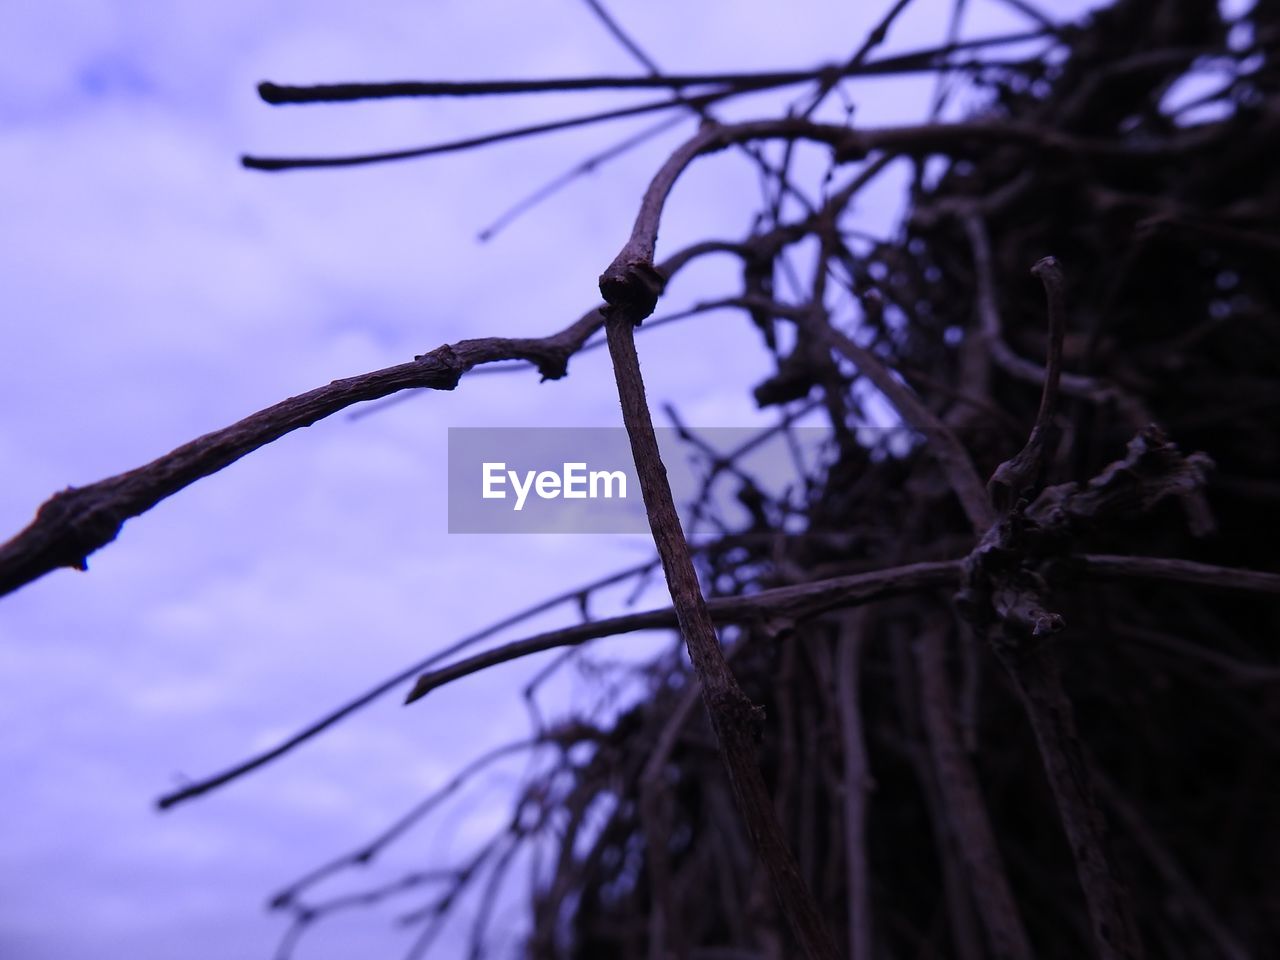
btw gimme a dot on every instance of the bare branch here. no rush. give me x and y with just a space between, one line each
734 718
964 807
1179 571
78 521
629 278
347 709
1073 384
273 164
916 61
579 169
794 602
1025 471
75 523
1039 684
874 38
1166 865
368 852
951 454
857 781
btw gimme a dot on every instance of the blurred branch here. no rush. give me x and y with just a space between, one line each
347 709
1179 571
363 856
951 454
963 805
857 780
583 167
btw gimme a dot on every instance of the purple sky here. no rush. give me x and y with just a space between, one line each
153 291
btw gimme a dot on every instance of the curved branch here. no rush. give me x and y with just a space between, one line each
630 278
1073 384
75 523
78 521
787 603
1023 473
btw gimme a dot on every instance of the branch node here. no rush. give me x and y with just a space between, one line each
851 148
633 284
454 365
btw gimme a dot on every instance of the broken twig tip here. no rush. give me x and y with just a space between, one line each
1048 270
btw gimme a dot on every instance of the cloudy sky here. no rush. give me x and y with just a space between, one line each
153 290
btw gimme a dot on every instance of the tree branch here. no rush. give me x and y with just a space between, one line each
318 727
274 164
73 524
964 807
943 444
736 721
916 61
1025 471
1102 566
790 603
857 782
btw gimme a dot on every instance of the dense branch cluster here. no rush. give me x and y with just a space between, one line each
998 683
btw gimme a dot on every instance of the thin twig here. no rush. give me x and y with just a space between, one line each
275 164
1073 384
1179 571
616 31
317 727
857 781
366 853
964 807
1024 473
876 36
583 167
943 444
76 522
789 603
1111 913
918 61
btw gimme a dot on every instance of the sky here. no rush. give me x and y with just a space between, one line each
153 290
